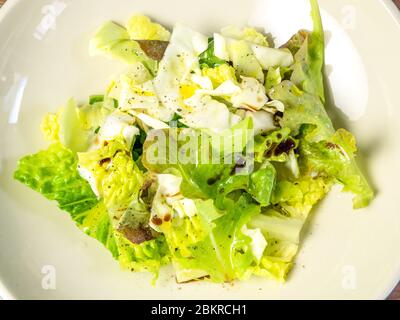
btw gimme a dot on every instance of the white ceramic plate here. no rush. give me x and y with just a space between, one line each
44 61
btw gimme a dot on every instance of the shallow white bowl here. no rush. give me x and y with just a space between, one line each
44 61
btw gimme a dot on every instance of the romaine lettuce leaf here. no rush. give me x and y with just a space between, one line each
296 198
117 178
53 173
282 223
147 256
96 224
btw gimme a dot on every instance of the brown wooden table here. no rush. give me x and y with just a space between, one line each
396 293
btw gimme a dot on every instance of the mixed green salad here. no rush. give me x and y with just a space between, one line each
208 153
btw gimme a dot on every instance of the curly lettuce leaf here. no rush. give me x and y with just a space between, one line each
296 198
309 59
275 146
53 173
335 157
147 256
302 108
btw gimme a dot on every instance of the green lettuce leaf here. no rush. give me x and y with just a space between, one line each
207 59
204 166
117 177
141 27
247 34
147 256
282 223
335 157
96 224
225 253
302 108
53 173
114 41
275 146
309 59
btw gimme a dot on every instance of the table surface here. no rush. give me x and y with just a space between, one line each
396 293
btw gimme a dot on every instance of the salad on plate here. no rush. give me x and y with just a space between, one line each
208 153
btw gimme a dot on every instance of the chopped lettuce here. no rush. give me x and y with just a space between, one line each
141 27
114 41
147 256
218 75
274 146
281 225
205 161
72 133
247 34
244 60
207 59
50 127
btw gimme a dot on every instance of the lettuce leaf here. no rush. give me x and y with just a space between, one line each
302 108
72 132
141 27
114 41
50 127
96 224
309 59
225 253
117 177
282 223
207 59
204 164
147 256
248 34
335 157
275 146
53 173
